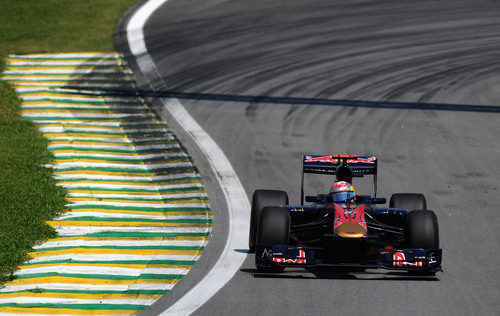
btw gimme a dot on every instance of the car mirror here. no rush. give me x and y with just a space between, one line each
363 199
313 198
379 200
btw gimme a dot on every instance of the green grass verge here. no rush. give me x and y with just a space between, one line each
40 26
28 194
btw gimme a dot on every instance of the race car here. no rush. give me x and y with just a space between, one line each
342 229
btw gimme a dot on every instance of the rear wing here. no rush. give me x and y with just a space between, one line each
327 164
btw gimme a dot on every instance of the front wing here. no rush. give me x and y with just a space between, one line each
428 260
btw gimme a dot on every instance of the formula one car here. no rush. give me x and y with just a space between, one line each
347 232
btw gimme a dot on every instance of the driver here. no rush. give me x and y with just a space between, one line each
342 192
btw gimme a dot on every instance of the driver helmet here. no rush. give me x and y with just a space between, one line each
342 192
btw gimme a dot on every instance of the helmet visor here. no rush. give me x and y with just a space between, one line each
343 196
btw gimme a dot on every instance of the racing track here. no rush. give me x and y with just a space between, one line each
423 53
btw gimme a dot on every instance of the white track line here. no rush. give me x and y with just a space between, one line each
236 197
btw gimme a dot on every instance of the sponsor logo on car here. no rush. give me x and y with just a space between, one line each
399 259
369 160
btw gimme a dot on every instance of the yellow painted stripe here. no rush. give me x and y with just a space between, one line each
62 181
141 252
84 142
85 56
123 224
61 94
92 127
119 173
75 280
62 110
52 135
131 266
110 160
156 193
67 67
143 212
76 119
129 238
62 76
36 102
76 151
56 311
90 59
80 199
43 83
40 86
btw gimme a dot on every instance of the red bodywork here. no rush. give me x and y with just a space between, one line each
350 222
335 159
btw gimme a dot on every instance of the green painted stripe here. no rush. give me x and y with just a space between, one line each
122 151
128 219
187 248
79 66
145 276
78 109
167 140
139 182
144 234
81 109
81 104
73 101
139 208
77 306
112 142
76 80
136 292
137 134
116 58
118 133
116 262
130 160
145 199
93 73
124 132
145 124
159 191
71 119
137 171
153 142
64 92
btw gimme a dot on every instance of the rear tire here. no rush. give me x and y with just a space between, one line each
273 229
422 232
408 201
261 199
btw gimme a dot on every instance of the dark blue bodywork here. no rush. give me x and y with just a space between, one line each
312 241
382 244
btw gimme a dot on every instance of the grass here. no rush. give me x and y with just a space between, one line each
28 194
41 26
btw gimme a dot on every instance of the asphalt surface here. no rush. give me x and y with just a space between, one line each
383 71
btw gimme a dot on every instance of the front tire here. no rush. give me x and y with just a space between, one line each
273 229
422 232
261 199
